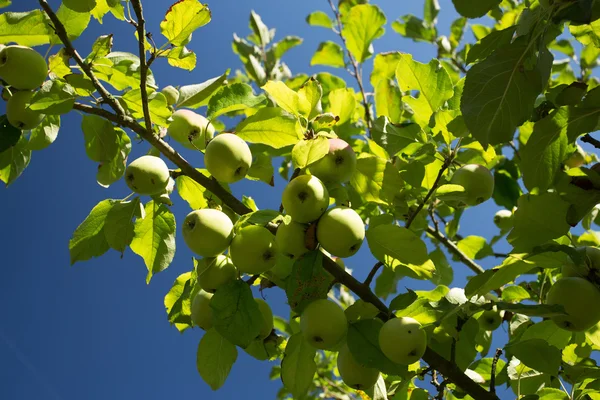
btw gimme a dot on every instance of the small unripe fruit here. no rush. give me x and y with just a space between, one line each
478 182
579 298
490 320
190 129
22 67
19 114
576 159
267 319
338 165
171 93
341 231
201 311
354 374
228 158
215 272
323 324
290 239
305 198
504 220
253 250
207 232
402 340
80 6
147 175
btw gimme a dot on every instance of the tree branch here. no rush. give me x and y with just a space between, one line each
493 371
588 139
451 246
61 32
371 275
357 73
141 32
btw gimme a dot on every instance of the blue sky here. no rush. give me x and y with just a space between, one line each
96 330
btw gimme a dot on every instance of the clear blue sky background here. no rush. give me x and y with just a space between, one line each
96 330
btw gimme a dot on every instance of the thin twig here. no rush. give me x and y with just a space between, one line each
514 148
141 32
357 73
371 275
250 281
493 376
588 139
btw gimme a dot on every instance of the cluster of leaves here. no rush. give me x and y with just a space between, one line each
505 102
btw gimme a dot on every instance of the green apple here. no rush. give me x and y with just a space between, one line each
579 298
490 320
228 158
323 324
6 94
253 250
353 373
338 165
305 198
591 263
190 129
504 220
341 231
207 232
19 114
22 67
478 182
576 159
402 340
267 319
213 272
171 93
201 311
290 239
147 175
80 6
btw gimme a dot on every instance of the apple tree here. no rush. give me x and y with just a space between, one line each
389 162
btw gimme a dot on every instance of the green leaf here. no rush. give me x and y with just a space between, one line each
444 274
395 138
310 94
547 147
261 169
121 70
298 366
308 281
500 92
342 103
532 226
329 54
537 354
101 47
403 300
361 310
260 29
235 313
375 179
14 161
306 152
474 8
100 141
285 97
549 332
157 105
475 247
5 3
74 22
55 97
494 278
9 135
532 310
388 100
271 126
283 46
182 19
198 95
214 358
483 367
233 97
400 247
514 294
363 342
89 240
178 301
119 225
182 57
45 133
486 46
154 238
415 28
361 26
191 191
110 171
319 18
431 80
27 28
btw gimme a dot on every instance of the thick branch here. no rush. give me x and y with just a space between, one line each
357 71
61 32
141 32
588 139
493 371
451 246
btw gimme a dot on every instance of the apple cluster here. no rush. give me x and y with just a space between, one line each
23 70
576 291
